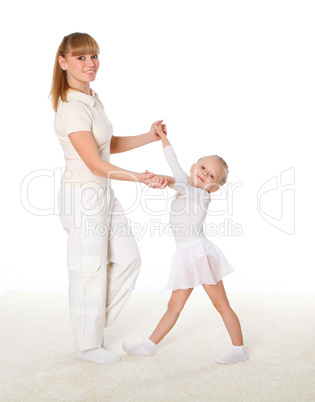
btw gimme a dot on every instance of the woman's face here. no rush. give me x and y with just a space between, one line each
81 70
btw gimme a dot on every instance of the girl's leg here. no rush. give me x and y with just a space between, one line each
174 308
220 301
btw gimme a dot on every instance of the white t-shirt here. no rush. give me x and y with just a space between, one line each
189 207
83 112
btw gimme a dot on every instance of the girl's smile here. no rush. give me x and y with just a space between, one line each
206 174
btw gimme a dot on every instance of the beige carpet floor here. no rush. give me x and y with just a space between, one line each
37 360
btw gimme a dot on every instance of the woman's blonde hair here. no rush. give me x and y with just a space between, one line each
75 44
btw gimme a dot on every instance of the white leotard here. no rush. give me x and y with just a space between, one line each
196 260
189 208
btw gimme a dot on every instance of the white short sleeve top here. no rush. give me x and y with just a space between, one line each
82 112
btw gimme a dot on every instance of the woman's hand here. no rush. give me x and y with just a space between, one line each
159 130
160 181
143 177
157 182
152 180
153 133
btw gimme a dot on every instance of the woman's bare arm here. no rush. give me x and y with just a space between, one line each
123 144
85 145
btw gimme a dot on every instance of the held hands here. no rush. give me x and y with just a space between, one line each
159 129
161 133
160 181
153 130
152 180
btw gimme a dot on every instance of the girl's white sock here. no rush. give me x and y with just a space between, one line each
98 355
237 354
146 348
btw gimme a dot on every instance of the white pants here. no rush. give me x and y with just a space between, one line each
103 260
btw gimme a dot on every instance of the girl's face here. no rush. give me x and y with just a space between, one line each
81 70
206 174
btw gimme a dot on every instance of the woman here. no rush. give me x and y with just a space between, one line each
103 265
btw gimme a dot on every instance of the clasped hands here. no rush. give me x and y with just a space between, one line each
156 181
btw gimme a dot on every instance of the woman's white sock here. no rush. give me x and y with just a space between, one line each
146 348
237 354
103 344
98 355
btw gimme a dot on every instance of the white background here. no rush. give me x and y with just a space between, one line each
234 78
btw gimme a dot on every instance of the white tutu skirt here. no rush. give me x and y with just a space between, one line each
202 263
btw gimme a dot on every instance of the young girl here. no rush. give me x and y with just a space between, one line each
197 261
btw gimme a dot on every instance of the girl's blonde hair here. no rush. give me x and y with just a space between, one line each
225 168
75 44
